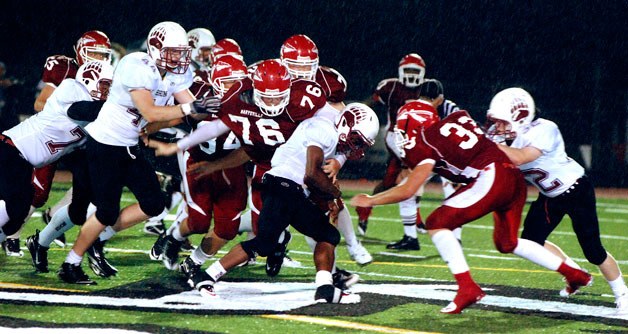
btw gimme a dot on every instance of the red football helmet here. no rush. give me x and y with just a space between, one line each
271 87
411 70
93 45
357 126
96 77
225 46
411 117
168 45
300 55
225 71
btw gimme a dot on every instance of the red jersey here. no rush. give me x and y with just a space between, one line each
59 68
259 134
393 94
333 83
458 147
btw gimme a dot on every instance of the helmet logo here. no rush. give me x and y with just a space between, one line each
519 110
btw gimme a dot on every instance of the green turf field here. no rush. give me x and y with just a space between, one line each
402 292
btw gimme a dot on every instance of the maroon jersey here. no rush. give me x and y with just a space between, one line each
59 68
393 94
260 135
201 85
333 83
458 147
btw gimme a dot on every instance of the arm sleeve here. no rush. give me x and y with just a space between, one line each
85 110
202 134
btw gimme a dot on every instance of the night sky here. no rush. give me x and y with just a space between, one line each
572 56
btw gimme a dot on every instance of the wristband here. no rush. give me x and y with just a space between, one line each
186 109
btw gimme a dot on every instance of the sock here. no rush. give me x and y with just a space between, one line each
177 197
538 254
407 211
65 200
59 224
107 233
246 225
216 271
73 258
323 277
464 280
451 251
4 216
176 234
345 226
618 286
156 219
363 213
198 256
2 235
174 226
458 234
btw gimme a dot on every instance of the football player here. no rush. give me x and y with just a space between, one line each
537 147
296 171
142 86
93 45
300 55
44 138
456 148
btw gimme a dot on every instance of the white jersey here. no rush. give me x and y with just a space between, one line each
49 134
553 172
290 158
119 122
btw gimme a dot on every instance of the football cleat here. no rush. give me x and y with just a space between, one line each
329 294
202 282
12 247
154 227
189 267
362 225
463 300
170 255
622 305
187 246
158 248
343 279
250 262
70 273
406 243
39 253
46 217
579 280
98 262
275 260
359 254
420 227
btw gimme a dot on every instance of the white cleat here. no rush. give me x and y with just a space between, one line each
360 254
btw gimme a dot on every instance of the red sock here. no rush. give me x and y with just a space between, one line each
363 212
419 220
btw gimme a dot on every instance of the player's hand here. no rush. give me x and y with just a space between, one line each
331 168
201 169
334 209
362 200
161 148
204 105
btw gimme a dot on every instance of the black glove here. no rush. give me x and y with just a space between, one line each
205 105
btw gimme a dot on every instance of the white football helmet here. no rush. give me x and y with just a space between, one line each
357 126
96 76
411 70
201 40
514 108
168 45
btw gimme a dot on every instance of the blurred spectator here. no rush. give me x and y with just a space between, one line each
9 92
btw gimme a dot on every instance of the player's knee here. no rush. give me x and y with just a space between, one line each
226 228
198 225
12 226
77 213
107 216
595 254
153 207
39 199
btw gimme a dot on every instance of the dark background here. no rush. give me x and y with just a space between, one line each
570 55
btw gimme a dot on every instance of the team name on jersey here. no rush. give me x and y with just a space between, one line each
251 113
161 93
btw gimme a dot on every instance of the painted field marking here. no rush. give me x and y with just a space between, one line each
342 324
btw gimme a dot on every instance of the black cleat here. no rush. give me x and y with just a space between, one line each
362 225
12 247
158 248
201 281
406 243
329 294
155 228
39 253
170 255
189 267
275 260
97 261
343 279
70 273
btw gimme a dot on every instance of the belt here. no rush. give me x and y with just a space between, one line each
6 140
